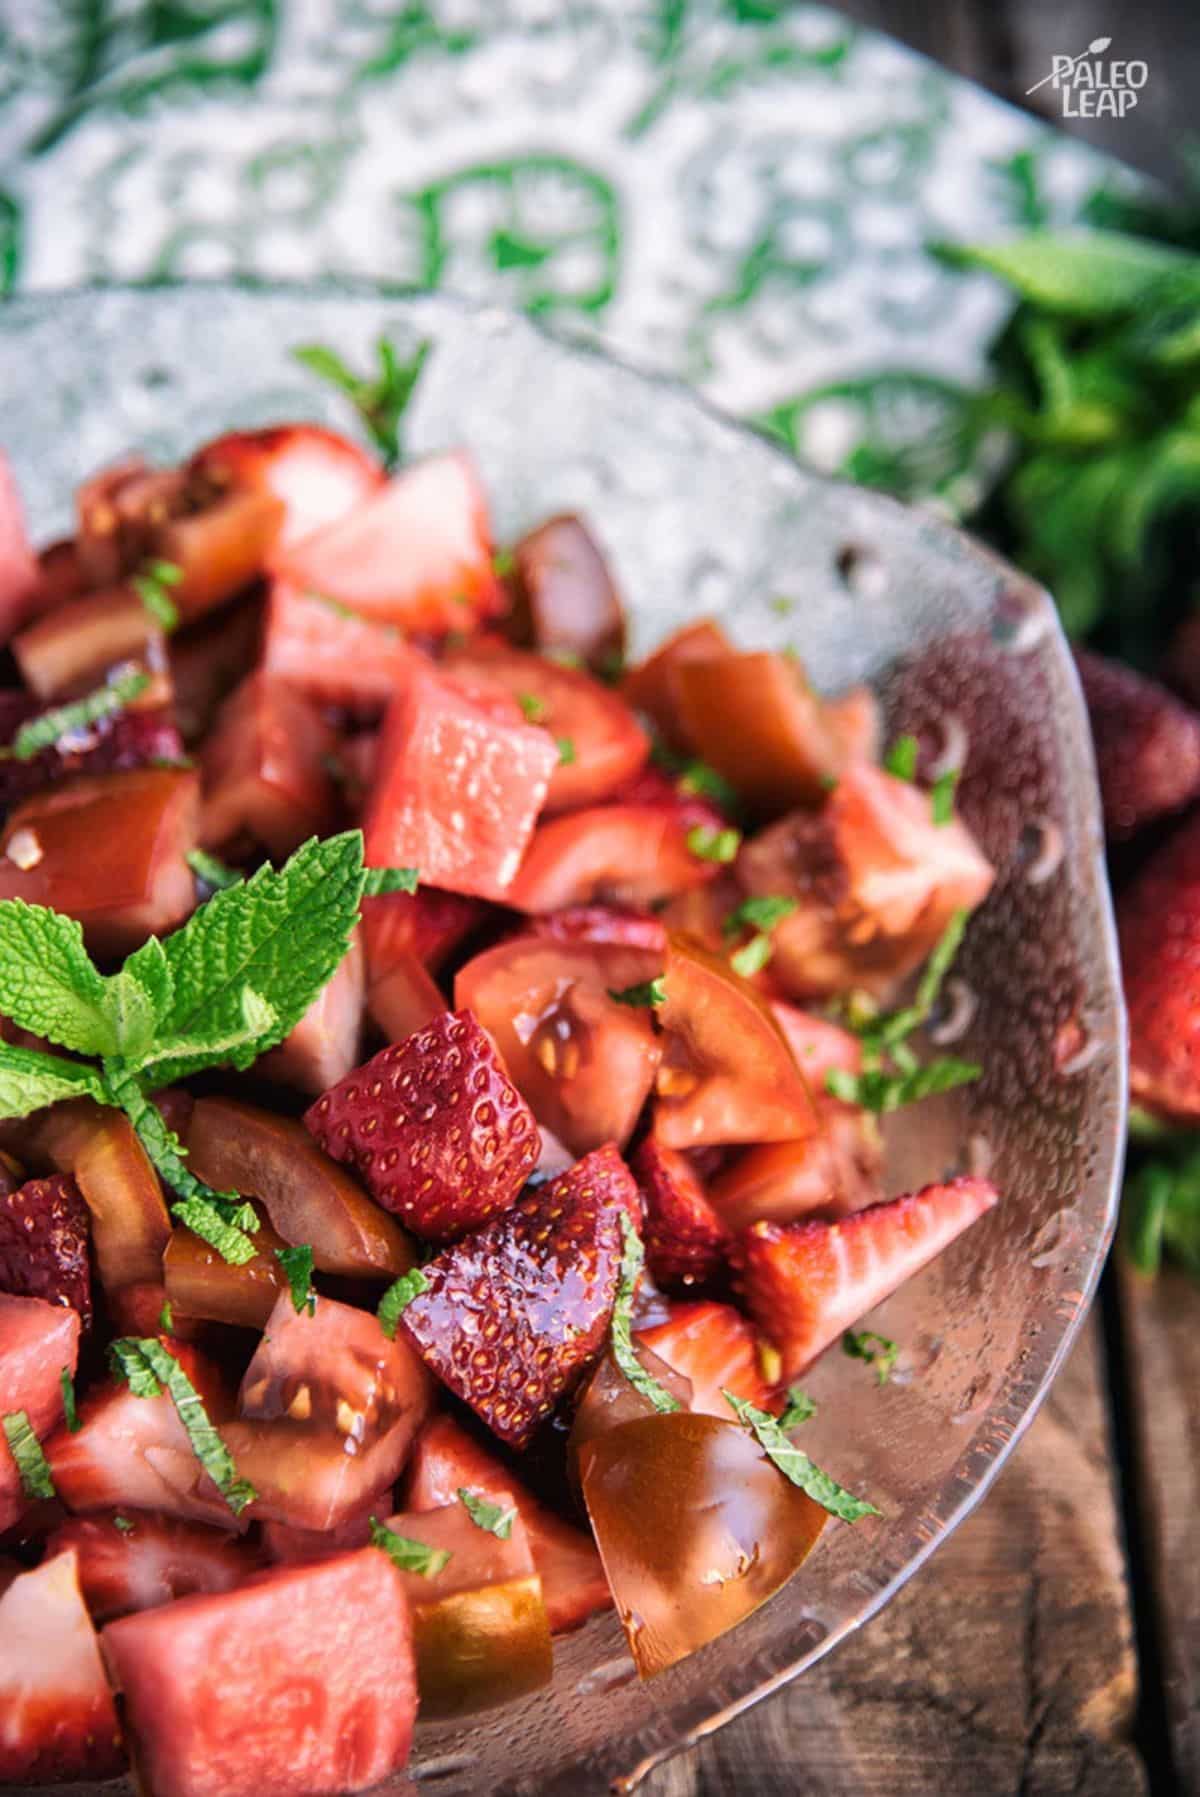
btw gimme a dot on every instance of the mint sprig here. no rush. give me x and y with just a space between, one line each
795 1464
380 400
219 992
149 1369
77 716
621 1336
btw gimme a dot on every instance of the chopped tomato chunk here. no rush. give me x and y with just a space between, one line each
333 655
264 771
73 648
326 1042
653 686
565 597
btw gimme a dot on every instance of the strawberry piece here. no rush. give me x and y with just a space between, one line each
1159 923
331 654
57 1721
513 1313
136 1452
457 791
37 1341
44 1244
1147 744
299 1683
805 1283
834 1172
20 581
435 1126
134 1561
127 739
265 771
446 1459
686 1241
318 475
714 1347
416 553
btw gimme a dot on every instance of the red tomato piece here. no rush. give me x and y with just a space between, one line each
332 655
264 771
427 925
37 1340
298 1684
457 791
653 686
621 854
607 746
219 549
584 1063
416 553
20 576
564 594
110 850
317 475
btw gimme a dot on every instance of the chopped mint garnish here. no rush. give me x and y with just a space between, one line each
77 716
621 1335
26 1450
877 1350
800 1408
397 1297
566 750
381 880
213 871
123 1524
795 1465
497 1519
407 1554
297 1264
532 707
901 758
70 1410
708 843
152 585
651 993
941 796
150 1369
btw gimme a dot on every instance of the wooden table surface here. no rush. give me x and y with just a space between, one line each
1052 1646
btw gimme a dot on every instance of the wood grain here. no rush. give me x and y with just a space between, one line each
1007 1665
1161 1324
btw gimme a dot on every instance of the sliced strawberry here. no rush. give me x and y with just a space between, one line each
805 1283
716 1348
416 553
110 850
1159 921
435 1126
727 1073
446 1459
875 881
514 1312
327 1041
584 1061
457 791
57 1721
327 1412
318 475
265 772
564 594
127 739
758 722
1147 744
133 1561
653 686
834 1172
136 1451
608 747
44 1244
603 923
686 1240
37 1341
331 654
300 1682
20 578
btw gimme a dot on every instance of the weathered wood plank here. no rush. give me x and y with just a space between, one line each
1161 1323
1006 1666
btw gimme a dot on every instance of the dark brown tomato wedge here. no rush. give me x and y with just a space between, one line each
110 850
748 1529
653 686
727 1074
479 1623
608 1399
607 745
118 510
308 1197
633 855
71 649
265 771
758 722
564 597
583 1062
201 1283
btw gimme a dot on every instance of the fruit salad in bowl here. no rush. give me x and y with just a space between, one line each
446 1070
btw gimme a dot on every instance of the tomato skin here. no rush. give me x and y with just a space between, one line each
334 658
110 850
653 687
622 854
200 1284
264 771
327 1041
564 596
609 746
583 1063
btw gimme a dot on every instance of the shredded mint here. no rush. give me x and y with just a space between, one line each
380 400
901 758
761 913
708 843
152 586
407 1554
532 707
800 1408
213 871
70 1410
26 1450
69 720
651 993
566 750
753 956
497 1519
795 1465
879 1351
297 1264
150 1369
166 1320
123 1525
941 796
397 1297
632 1260
380 880
504 563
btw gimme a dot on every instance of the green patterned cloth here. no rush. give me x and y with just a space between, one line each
735 191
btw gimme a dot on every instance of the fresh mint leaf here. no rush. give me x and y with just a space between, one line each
879 1351
211 1223
1083 274
753 956
380 880
26 1450
708 843
881 1092
213 871
650 993
795 1465
70 1410
407 1554
77 717
380 400
155 1369
800 1408
901 758
941 796
632 1260
158 1067
397 1297
533 709
282 934
135 999
762 913
1161 1210
153 587
48 982
497 1519
30 1080
297 1264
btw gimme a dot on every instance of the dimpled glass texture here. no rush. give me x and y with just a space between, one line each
699 515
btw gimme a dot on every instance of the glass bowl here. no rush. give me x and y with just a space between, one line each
700 515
